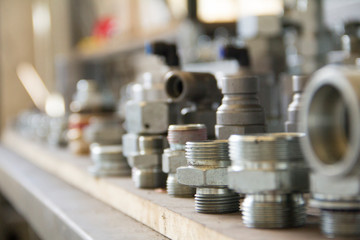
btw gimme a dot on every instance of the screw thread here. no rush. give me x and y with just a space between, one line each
175 189
216 200
178 135
340 223
274 211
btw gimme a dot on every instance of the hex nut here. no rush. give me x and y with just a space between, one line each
144 161
225 131
130 143
254 181
202 176
327 185
172 159
147 117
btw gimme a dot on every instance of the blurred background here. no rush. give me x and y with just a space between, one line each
61 41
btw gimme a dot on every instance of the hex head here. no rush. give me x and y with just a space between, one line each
202 177
225 131
256 181
130 143
147 117
144 161
172 159
330 185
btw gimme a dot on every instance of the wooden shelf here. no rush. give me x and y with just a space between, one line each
173 217
58 211
126 44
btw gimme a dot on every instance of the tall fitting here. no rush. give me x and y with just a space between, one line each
298 85
207 171
240 111
330 120
174 156
270 170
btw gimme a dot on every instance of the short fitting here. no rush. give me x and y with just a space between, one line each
108 161
174 156
207 171
270 170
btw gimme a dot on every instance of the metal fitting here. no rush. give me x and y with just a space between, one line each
298 85
174 156
199 93
271 171
146 163
89 98
147 117
240 111
108 161
330 119
207 171
105 130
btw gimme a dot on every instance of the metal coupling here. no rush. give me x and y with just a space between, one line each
272 173
298 85
174 156
207 172
199 94
330 119
240 111
146 162
108 161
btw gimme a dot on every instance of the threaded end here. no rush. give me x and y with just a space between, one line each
208 153
274 211
277 147
148 178
216 200
340 223
175 189
178 135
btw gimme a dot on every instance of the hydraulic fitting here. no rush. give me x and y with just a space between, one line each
174 156
200 95
240 111
272 173
298 85
207 172
108 161
105 130
146 162
330 119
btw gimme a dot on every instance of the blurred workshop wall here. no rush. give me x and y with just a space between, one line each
16 45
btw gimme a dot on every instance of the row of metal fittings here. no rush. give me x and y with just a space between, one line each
169 123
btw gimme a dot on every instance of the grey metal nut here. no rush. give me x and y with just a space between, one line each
147 117
130 144
225 131
328 185
144 161
202 176
172 159
256 181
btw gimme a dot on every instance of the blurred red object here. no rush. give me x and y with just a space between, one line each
104 27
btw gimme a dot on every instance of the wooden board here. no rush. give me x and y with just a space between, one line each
58 211
173 217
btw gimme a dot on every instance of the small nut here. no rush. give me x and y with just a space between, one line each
262 181
224 132
202 176
144 161
172 159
